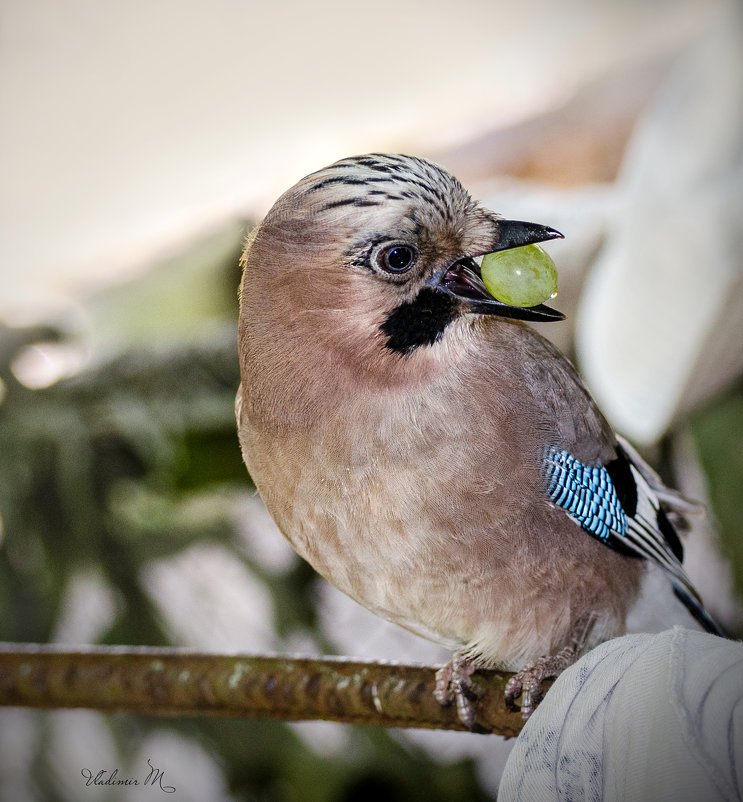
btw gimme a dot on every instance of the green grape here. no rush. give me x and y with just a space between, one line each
523 276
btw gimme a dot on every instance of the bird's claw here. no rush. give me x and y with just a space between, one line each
454 684
528 683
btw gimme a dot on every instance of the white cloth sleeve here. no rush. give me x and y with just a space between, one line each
642 717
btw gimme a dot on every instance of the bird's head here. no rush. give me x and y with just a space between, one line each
376 254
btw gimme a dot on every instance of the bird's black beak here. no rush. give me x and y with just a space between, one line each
463 281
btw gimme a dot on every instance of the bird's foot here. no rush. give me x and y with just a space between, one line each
454 684
528 682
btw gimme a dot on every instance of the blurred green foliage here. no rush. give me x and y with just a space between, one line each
133 460
718 434
83 457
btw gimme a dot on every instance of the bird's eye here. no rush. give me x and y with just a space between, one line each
397 259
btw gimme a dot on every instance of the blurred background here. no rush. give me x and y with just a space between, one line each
138 144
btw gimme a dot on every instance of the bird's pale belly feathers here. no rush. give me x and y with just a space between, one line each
423 553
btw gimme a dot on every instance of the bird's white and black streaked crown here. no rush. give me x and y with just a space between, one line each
378 179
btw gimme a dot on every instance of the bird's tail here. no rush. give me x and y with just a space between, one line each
672 514
702 617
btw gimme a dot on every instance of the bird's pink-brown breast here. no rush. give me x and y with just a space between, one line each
418 500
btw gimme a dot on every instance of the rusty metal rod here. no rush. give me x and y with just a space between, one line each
178 682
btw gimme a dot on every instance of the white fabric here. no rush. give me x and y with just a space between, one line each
643 717
658 329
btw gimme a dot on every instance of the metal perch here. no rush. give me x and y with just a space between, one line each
177 682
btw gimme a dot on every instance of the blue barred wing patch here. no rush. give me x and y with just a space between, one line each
586 493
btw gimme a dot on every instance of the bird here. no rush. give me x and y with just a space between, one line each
423 447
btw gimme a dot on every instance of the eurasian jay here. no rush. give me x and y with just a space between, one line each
423 448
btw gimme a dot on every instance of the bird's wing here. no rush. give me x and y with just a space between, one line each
619 503
677 507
